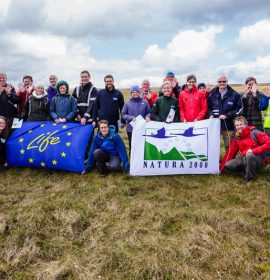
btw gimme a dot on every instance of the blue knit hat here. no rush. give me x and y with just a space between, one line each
60 83
134 88
170 74
201 85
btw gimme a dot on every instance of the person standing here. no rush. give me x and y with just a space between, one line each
26 89
251 99
109 103
176 88
85 94
166 107
51 90
63 106
192 102
37 106
265 105
134 107
226 104
8 100
205 88
147 94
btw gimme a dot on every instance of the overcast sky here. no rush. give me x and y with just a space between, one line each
135 39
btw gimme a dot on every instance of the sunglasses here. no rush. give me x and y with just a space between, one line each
222 82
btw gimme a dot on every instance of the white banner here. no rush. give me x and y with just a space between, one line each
179 148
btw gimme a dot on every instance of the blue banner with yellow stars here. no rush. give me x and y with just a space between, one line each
49 145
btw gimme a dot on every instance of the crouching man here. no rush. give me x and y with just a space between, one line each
253 146
107 150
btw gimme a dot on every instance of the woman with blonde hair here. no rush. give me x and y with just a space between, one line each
166 108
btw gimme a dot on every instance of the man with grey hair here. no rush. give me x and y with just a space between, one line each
226 104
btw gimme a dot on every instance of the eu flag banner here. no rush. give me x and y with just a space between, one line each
49 145
178 148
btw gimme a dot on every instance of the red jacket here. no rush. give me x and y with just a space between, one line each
23 97
151 98
243 141
193 105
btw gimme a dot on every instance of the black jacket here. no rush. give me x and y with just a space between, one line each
86 96
8 103
251 109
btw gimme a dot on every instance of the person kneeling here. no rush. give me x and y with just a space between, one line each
252 144
107 150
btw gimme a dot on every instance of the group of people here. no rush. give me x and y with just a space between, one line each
106 108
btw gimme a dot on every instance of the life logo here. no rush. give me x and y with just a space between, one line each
176 144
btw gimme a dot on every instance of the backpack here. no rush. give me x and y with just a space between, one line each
69 98
253 133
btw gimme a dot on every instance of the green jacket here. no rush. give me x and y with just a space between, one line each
162 107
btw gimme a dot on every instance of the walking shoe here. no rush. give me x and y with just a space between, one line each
249 180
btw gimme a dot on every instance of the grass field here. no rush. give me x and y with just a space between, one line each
60 225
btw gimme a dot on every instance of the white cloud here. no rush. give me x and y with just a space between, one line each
4 4
186 47
255 37
39 46
259 68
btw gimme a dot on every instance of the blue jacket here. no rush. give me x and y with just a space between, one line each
112 144
231 106
63 106
133 108
108 105
263 105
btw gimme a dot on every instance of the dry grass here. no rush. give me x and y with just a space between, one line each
57 225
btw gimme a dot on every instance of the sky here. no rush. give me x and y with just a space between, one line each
134 40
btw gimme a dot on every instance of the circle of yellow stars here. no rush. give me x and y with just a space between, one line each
54 162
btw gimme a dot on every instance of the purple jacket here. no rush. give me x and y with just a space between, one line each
133 108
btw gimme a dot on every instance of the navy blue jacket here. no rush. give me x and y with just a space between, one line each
108 105
231 106
112 144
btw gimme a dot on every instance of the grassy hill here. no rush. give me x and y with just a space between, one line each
60 225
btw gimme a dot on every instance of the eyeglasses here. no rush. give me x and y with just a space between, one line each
109 81
220 82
